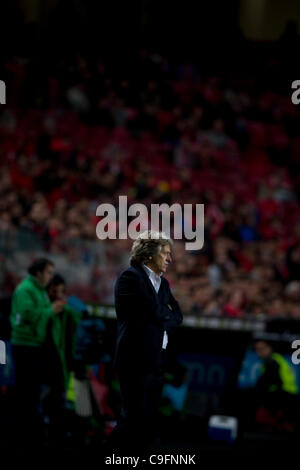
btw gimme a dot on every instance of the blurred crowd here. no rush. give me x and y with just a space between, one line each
86 132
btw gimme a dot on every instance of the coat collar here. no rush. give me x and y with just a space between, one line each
35 281
150 272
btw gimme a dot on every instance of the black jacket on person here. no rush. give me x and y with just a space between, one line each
142 317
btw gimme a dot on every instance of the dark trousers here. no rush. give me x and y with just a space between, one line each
28 363
140 399
54 398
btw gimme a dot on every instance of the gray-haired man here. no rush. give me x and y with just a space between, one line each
146 312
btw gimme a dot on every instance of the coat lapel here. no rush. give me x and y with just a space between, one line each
147 282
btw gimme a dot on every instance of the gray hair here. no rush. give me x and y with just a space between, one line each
148 243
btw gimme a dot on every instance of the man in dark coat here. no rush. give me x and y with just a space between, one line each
146 312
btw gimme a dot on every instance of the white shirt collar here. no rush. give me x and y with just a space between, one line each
150 272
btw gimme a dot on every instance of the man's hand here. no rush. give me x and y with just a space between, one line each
58 305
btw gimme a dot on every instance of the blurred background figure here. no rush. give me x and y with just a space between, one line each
32 313
275 390
58 360
271 403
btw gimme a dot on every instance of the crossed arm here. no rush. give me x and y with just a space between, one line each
133 304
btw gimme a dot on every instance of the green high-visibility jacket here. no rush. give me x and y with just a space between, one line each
32 319
63 331
30 314
286 374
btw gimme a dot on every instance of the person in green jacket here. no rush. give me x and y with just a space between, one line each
59 358
62 328
30 316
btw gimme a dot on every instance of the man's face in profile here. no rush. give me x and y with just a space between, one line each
45 276
162 259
